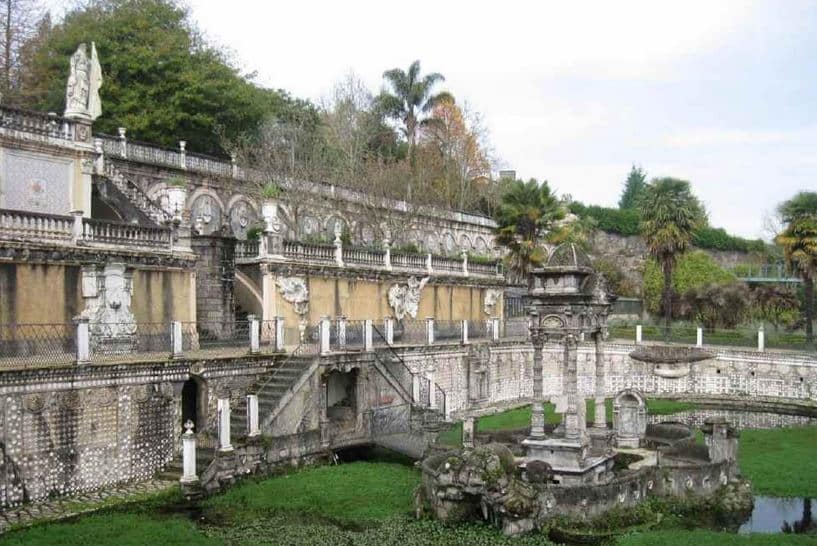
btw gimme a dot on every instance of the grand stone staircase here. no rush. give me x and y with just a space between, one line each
114 185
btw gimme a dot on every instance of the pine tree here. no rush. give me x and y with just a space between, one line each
633 188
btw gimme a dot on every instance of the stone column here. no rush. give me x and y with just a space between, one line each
224 425
537 416
468 433
252 415
189 454
600 420
574 427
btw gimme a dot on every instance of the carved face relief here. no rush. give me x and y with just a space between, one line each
295 291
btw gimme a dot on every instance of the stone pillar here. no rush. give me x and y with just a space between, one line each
638 334
464 332
255 338
600 419
495 333
761 339
189 455
269 307
77 231
429 268
699 337
537 416
324 327
123 141
183 155
252 415
83 340
338 246
465 263
367 335
388 327
176 339
468 433
215 281
224 425
574 425
429 330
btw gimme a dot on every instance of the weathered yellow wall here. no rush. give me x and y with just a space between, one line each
161 296
368 299
50 293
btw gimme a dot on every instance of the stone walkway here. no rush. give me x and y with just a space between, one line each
66 507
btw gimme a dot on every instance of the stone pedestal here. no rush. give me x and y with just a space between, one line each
572 462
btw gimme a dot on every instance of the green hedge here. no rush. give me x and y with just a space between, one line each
626 222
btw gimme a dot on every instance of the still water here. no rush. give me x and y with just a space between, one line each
778 514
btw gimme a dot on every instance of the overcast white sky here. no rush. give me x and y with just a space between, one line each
718 92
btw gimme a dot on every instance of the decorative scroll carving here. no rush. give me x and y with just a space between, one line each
295 291
404 299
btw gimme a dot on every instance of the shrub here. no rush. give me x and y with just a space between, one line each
616 281
694 269
716 305
270 191
718 239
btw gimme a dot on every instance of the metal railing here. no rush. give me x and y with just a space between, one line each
36 345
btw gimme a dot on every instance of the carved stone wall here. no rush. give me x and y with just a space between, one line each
215 278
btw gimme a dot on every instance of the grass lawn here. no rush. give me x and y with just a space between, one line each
780 461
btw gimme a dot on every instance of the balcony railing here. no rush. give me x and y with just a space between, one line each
34 226
38 123
309 252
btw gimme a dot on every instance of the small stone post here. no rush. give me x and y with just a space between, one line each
252 415
388 327
324 328
464 332
183 155
123 142
761 339
638 334
387 254
77 232
176 347
99 163
465 263
233 165
429 330
429 267
224 425
699 337
255 340
341 333
279 333
495 330
432 391
468 433
83 340
367 335
415 388
338 245
189 454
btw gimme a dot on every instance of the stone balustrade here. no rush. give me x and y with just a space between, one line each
34 226
38 123
369 258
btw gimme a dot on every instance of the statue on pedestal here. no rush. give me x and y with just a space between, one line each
82 92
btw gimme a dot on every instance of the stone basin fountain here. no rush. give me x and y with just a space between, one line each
670 361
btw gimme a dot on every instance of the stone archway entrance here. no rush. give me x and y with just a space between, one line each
194 402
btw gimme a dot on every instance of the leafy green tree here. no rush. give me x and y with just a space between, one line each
411 102
633 189
799 242
715 305
670 213
693 270
528 210
161 79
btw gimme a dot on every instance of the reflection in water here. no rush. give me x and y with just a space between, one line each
778 514
737 418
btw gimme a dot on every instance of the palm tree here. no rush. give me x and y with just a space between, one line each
670 213
411 100
799 242
527 211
